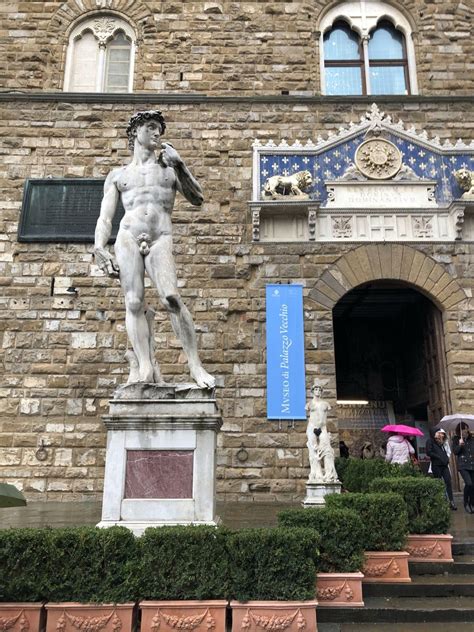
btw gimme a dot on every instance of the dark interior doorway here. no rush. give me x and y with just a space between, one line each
389 346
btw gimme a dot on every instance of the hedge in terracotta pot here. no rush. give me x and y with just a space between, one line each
273 579
385 524
83 565
356 475
183 578
341 552
429 517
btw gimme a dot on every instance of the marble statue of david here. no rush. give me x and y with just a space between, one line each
147 187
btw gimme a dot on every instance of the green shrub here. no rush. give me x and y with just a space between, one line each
425 500
83 564
197 562
185 562
23 555
384 518
273 564
357 474
341 548
341 466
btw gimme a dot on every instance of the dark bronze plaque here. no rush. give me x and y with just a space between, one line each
63 210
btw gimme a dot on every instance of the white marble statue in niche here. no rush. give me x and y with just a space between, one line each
147 187
321 453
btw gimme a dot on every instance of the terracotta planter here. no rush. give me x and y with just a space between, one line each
77 617
339 589
429 548
21 617
388 567
274 616
192 616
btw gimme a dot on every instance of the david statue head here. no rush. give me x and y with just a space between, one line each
147 186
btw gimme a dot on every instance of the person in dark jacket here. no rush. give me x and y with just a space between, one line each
436 451
463 448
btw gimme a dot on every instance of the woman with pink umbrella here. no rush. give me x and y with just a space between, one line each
399 449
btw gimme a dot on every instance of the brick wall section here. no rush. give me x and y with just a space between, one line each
62 356
221 47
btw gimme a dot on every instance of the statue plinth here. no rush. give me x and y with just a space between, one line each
160 461
316 492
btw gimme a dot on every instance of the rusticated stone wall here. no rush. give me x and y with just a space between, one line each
221 47
63 355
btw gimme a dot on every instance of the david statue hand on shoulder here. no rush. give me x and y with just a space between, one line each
147 187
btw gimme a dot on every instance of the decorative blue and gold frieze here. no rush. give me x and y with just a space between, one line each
375 180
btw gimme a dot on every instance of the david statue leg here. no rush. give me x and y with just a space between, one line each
132 271
160 266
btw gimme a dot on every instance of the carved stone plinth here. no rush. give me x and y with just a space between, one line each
315 493
160 461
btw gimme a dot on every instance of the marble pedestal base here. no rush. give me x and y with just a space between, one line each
315 493
160 460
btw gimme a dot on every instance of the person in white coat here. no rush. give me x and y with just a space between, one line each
399 449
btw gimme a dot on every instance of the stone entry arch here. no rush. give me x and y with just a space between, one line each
375 262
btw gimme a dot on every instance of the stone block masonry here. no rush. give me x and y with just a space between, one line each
63 356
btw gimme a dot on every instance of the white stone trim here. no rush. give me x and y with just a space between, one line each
373 116
363 16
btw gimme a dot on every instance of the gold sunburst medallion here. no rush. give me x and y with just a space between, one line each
378 158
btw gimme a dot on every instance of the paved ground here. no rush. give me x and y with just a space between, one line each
236 515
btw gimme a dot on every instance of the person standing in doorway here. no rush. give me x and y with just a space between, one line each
463 448
437 451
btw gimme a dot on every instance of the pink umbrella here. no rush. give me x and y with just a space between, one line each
403 430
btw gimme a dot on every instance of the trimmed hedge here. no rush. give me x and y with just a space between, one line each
93 565
384 518
83 564
425 500
184 562
341 532
273 564
357 474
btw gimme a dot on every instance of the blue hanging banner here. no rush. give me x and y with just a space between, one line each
286 391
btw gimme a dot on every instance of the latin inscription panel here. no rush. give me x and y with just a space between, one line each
63 210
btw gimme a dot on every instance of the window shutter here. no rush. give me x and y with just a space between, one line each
85 64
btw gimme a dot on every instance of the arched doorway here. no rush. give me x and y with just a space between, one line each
410 268
389 352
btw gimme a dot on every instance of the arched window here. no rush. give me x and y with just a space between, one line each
388 60
100 56
367 48
344 64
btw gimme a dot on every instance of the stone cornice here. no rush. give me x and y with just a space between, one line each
197 98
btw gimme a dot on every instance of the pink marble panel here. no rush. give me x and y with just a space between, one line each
159 474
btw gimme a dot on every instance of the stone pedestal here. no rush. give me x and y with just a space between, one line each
315 493
160 461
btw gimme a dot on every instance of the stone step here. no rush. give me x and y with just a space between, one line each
403 610
462 565
425 586
395 627
463 548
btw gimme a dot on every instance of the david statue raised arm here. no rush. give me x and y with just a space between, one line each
147 187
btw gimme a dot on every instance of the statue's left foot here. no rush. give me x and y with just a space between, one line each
202 377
